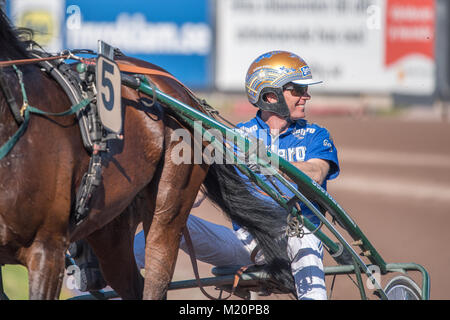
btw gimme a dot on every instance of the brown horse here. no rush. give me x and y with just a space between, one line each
41 174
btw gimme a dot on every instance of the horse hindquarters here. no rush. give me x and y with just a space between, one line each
175 187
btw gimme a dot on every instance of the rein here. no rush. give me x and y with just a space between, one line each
191 251
10 63
23 116
122 67
125 68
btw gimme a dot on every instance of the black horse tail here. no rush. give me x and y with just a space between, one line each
263 219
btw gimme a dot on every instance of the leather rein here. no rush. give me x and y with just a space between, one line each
9 63
122 67
125 68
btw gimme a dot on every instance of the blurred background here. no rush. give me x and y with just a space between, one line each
385 97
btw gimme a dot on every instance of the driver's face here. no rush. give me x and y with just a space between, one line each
296 101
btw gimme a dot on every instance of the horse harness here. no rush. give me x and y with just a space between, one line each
79 86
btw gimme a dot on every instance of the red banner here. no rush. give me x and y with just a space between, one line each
409 29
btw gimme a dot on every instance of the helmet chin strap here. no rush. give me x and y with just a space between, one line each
276 123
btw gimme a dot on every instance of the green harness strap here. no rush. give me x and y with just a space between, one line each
26 110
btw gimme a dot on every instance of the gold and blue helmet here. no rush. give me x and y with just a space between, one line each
269 73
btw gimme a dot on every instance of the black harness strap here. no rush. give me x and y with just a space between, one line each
67 80
15 110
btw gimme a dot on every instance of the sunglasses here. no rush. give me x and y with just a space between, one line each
296 89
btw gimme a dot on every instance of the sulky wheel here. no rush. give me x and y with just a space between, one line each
402 288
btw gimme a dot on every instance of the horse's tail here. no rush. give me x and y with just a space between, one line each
262 218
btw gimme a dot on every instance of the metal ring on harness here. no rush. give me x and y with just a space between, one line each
294 228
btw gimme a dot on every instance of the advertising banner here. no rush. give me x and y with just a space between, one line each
409 45
45 18
174 34
354 46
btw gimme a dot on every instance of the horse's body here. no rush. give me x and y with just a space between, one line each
40 176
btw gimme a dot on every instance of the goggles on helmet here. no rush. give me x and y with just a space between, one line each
296 89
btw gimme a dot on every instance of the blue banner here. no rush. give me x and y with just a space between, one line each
176 35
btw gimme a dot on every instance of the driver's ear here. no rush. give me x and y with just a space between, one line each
270 97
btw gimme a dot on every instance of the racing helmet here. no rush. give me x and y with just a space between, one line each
269 73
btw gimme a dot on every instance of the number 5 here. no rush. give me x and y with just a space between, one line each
109 102
106 83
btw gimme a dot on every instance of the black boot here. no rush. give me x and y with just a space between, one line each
91 278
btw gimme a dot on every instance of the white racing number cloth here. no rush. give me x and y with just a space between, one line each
220 246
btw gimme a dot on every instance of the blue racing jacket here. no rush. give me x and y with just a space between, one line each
300 142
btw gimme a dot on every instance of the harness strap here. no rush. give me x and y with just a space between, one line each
25 112
237 277
6 148
10 99
140 70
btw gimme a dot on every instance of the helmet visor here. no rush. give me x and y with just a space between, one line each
306 82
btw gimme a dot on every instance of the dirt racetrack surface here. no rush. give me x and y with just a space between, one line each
394 182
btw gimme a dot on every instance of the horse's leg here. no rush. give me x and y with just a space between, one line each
44 260
113 246
163 237
176 187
